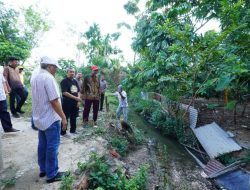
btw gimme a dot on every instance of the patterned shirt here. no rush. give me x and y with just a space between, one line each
44 89
91 88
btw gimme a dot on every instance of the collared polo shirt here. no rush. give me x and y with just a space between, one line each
44 89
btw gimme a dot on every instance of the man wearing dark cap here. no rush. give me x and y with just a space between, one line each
90 93
17 89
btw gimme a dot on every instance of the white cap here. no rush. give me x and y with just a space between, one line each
50 61
119 88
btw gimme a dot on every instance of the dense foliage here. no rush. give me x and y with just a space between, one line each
103 176
99 50
176 59
20 31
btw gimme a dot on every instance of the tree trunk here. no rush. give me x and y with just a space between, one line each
244 109
225 97
235 113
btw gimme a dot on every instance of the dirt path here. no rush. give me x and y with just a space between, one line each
20 156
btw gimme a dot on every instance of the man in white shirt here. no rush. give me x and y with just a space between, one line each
4 114
123 103
47 115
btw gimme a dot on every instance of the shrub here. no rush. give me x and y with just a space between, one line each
102 176
120 144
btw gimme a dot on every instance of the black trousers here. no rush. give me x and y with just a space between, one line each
87 106
70 110
22 94
5 116
102 100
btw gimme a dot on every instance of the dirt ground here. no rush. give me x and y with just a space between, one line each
20 156
20 160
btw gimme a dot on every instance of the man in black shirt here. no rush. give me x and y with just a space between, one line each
70 99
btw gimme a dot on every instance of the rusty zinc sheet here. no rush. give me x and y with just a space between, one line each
215 140
213 166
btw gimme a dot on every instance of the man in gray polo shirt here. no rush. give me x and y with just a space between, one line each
47 115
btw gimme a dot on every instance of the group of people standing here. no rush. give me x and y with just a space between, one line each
12 84
74 91
50 112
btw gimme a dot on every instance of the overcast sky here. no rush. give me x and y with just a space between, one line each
78 15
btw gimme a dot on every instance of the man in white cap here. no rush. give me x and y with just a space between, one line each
47 116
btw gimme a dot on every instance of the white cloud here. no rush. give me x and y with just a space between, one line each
79 15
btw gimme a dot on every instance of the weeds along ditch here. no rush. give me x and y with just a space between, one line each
169 124
109 171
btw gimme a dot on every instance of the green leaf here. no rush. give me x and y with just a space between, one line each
224 82
231 105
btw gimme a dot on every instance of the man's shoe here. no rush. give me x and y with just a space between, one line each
21 112
58 177
67 135
11 130
42 174
95 124
16 115
85 124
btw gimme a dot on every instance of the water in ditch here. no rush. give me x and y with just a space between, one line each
177 168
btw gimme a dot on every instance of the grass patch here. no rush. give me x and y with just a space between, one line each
103 176
67 182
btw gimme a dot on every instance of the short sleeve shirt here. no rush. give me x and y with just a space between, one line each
122 102
44 89
2 92
70 86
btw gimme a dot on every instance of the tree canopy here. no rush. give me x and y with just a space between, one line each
177 60
20 31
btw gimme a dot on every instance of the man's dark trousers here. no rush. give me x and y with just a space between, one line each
23 96
102 100
70 110
87 107
5 116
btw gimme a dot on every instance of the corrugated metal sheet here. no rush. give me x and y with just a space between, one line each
215 140
213 166
193 115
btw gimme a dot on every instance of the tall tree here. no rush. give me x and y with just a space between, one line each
16 38
173 54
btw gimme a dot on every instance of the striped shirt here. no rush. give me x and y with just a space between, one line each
44 89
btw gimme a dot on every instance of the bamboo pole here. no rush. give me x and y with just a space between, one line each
1 155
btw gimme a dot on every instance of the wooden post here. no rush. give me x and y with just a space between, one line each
106 104
1 155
